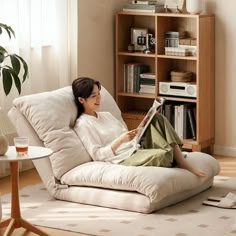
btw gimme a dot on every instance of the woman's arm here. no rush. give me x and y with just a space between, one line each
125 137
102 137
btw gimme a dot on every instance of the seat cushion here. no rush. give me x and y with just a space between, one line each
156 183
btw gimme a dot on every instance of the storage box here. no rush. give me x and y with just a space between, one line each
181 76
133 118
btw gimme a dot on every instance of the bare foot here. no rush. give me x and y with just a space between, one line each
187 166
182 163
198 173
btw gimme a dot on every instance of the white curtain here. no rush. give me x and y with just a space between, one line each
46 37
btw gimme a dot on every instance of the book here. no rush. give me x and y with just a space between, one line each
145 2
156 107
147 89
143 8
132 73
186 123
148 75
192 122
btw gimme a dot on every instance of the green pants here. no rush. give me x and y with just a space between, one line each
155 145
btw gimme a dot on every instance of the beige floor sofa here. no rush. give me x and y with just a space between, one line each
69 174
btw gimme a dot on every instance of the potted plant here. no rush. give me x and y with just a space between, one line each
11 73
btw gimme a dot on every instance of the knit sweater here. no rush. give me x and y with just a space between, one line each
97 134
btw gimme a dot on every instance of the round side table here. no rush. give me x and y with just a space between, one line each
16 221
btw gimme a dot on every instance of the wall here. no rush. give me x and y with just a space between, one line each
96 58
96 40
225 56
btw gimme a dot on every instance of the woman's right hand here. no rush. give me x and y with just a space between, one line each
128 136
125 137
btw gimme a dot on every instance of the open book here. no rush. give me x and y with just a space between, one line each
156 107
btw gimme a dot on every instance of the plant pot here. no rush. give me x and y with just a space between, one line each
194 6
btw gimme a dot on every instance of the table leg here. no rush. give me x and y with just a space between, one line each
16 221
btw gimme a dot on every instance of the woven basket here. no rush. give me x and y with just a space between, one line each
181 76
133 118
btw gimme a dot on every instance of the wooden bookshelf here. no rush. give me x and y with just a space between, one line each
200 27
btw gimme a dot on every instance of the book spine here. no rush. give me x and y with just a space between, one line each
138 10
125 78
181 121
136 79
169 112
186 124
176 120
192 122
129 78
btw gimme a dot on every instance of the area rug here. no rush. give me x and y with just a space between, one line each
188 218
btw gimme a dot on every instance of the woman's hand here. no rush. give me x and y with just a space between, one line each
125 137
128 136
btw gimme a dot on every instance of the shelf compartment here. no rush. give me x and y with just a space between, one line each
168 64
134 103
120 72
188 25
124 23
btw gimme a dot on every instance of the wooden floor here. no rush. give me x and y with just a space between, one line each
228 168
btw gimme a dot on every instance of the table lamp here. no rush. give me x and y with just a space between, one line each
6 127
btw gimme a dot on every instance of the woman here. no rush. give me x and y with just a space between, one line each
108 140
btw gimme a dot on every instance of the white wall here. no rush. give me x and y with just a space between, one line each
225 65
96 58
96 40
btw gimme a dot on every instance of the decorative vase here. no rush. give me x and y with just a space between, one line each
194 6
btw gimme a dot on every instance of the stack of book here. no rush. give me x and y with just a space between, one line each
150 6
182 118
147 83
132 73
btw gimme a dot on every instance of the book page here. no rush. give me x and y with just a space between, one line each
156 107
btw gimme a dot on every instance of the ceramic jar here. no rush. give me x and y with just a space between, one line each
194 6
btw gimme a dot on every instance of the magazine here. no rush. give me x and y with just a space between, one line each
156 107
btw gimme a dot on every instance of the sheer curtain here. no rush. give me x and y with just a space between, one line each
46 37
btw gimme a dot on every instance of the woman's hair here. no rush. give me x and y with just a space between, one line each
83 87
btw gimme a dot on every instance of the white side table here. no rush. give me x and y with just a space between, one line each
16 221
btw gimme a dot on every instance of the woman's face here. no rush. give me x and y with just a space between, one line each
93 101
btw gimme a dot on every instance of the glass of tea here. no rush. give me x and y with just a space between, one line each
21 144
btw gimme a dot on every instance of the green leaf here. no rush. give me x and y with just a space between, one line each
17 81
1 58
11 30
15 64
3 50
8 29
7 80
25 67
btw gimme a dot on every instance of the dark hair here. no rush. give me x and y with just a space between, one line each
83 87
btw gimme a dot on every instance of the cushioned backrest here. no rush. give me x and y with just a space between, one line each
53 115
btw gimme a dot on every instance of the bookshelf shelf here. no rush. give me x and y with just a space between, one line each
179 99
140 95
136 54
201 29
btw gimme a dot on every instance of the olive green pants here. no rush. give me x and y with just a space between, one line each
155 145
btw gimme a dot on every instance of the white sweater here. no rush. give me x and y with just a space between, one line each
97 134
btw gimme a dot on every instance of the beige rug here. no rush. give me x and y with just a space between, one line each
188 218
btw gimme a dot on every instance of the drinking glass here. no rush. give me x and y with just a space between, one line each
21 144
